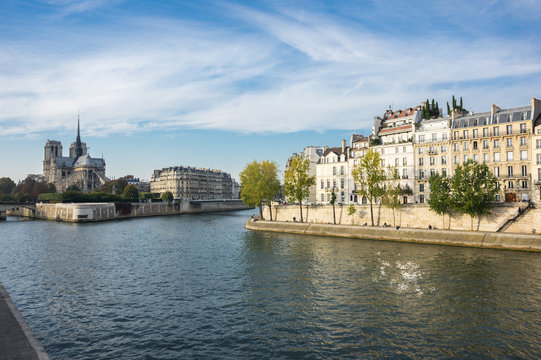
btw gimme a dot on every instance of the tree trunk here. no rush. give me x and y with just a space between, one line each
261 212
449 228
371 212
443 221
379 212
394 219
333 215
270 211
300 206
471 222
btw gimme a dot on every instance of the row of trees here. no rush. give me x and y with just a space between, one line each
471 191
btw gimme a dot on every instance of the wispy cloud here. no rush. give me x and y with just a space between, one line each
285 71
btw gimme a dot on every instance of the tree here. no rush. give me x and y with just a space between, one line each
351 209
167 196
260 185
393 191
474 190
73 187
370 176
130 193
297 182
6 185
440 200
51 188
333 201
115 186
30 188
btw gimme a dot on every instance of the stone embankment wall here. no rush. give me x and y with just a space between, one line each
91 212
411 216
441 237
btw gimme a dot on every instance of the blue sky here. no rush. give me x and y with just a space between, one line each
220 83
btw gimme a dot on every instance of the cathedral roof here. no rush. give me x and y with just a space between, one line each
87 161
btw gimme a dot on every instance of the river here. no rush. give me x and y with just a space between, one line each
201 286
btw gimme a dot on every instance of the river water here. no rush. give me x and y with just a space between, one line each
201 286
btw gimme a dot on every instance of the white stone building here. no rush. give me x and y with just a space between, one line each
332 174
359 144
313 153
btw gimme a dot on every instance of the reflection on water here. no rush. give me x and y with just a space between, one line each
202 286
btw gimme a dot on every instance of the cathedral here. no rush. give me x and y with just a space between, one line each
78 169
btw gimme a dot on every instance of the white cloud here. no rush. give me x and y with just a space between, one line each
289 73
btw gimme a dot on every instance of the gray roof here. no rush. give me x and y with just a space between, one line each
87 161
486 118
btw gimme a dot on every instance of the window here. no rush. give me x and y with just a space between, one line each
328 197
509 171
455 135
342 170
498 197
497 171
509 156
421 138
456 159
404 174
496 130
421 199
403 149
509 142
510 185
465 158
421 161
475 157
444 160
485 158
496 143
538 158
522 128
465 145
475 133
485 132
475 145
322 184
509 129
432 172
485 144
404 161
432 160
539 174
444 137
334 170
496 157
455 146
434 137
524 170
421 174
421 187
524 184
383 162
420 151
396 162
465 133
431 150
523 155
538 144
341 183
523 141
322 197
443 172
443 148
328 183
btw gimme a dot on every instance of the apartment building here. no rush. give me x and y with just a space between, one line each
501 138
189 183
536 161
432 155
312 153
359 144
333 174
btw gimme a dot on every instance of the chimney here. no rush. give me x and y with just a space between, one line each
343 146
494 109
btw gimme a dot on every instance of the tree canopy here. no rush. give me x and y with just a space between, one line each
6 185
114 186
167 196
297 181
370 176
259 184
130 192
440 200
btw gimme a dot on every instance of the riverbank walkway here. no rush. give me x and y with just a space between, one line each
17 341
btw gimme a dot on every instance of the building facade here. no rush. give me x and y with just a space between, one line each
189 183
79 169
333 175
312 153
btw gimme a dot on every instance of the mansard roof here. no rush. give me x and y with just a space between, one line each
487 118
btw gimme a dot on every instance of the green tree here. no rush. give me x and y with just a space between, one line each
114 186
130 193
297 182
259 185
6 185
51 188
351 209
392 198
167 196
440 200
474 190
73 187
30 188
370 177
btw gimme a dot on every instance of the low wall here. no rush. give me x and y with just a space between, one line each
409 216
441 237
92 212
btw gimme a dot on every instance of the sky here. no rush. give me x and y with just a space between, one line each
218 84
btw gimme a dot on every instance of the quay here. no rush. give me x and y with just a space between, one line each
480 239
95 212
17 341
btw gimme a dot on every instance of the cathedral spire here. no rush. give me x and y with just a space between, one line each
78 146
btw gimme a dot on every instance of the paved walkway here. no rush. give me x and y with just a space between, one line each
16 338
